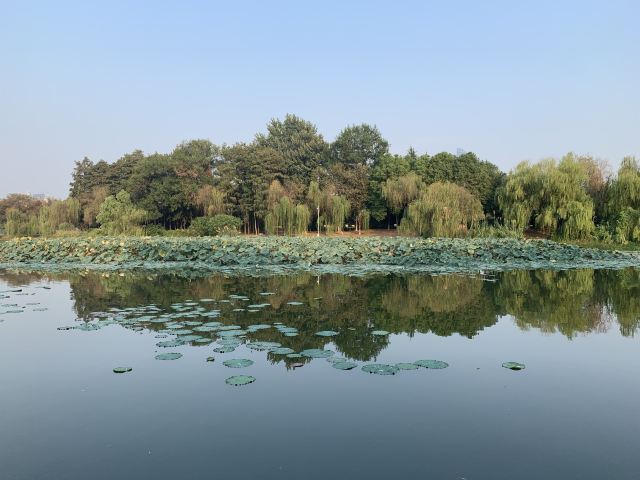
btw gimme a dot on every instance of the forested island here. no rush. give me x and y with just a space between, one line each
291 181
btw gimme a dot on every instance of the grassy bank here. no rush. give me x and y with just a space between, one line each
446 255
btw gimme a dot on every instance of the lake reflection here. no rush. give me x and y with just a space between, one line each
570 414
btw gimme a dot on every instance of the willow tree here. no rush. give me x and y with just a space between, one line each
401 191
623 202
338 209
59 215
442 210
550 195
284 215
210 200
118 215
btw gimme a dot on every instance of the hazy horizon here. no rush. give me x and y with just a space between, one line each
509 82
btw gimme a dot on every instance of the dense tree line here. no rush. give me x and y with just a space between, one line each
289 180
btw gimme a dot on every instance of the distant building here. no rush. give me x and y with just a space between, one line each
460 151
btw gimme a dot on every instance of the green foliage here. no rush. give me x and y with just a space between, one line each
400 192
119 216
442 210
623 202
220 224
210 200
359 145
550 194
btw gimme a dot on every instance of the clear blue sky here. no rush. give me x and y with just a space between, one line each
509 80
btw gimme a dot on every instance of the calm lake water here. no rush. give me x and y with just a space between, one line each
572 413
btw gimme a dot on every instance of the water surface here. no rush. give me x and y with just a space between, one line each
572 413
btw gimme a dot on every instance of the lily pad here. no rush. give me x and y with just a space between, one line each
169 356
434 364
344 365
224 349
238 380
238 363
170 343
294 355
211 359
380 369
282 350
317 353
407 366
327 333
122 369
514 366
380 333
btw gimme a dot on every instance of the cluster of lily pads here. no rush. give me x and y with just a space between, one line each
442 254
197 323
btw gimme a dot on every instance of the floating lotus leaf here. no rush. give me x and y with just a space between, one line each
380 333
256 328
87 326
285 330
282 350
203 340
259 305
407 366
295 303
229 327
66 328
224 349
337 359
204 328
192 323
212 324
190 338
170 343
238 380
122 369
344 365
266 293
232 333
294 355
238 363
434 364
207 300
317 353
169 356
380 369
290 334
327 333
229 342
183 332
211 359
514 365
174 326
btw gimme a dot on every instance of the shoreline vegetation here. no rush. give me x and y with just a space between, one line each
324 254
290 181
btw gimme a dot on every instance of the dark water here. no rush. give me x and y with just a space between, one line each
571 414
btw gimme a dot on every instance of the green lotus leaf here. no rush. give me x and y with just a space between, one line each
514 366
317 353
170 343
380 369
327 333
239 380
238 363
380 333
282 350
344 365
122 369
169 356
224 349
434 364
407 366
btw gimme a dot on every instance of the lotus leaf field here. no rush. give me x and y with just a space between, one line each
371 253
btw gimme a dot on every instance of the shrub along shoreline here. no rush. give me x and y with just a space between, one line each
373 253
